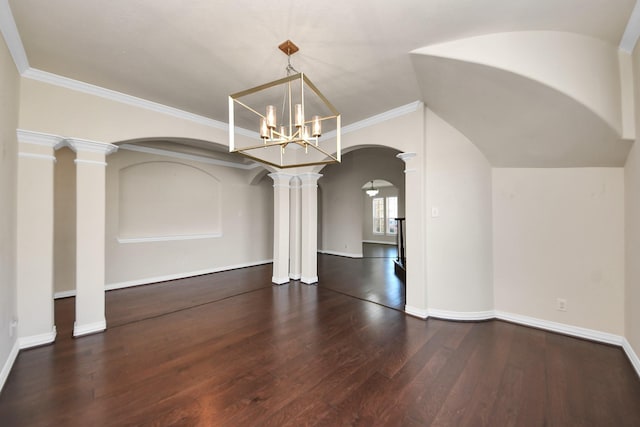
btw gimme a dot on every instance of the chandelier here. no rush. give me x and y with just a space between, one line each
372 191
285 123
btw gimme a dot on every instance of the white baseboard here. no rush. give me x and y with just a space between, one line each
157 279
345 254
64 294
462 315
417 312
36 340
89 328
633 357
309 280
562 328
280 280
379 242
294 276
8 364
148 280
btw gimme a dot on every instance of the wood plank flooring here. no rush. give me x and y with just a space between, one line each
230 349
370 278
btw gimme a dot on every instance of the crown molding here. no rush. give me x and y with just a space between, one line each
379 118
632 31
12 37
184 156
76 85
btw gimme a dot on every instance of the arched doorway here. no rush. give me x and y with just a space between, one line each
347 250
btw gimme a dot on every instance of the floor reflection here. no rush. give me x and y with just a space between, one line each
371 278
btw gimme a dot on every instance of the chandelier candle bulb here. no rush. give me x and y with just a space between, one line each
299 116
264 129
316 127
283 132
271 117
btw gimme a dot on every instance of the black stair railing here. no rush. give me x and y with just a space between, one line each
401 260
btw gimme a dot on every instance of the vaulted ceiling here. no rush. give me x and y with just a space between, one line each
367 56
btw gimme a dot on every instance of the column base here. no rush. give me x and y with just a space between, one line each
309 280
89 328
280 280
36 340
294 276
416 312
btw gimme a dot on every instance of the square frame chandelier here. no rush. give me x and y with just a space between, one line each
305 132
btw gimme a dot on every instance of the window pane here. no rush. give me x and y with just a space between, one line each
378 215
392 213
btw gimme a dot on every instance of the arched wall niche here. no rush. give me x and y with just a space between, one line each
155 202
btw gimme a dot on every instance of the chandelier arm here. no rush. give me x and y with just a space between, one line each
320 95
265 86
317 147
249 108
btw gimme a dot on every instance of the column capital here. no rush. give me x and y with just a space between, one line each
38 138
86 145
405 157
280 179
309 178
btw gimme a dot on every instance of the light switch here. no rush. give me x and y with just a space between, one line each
435 212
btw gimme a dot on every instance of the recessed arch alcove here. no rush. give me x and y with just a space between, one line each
180 207
155 201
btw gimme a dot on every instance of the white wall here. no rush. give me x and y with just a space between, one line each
342 197
632 217
459 240
64 240
57 110
632 258
238 232
528 53
9 94
559 233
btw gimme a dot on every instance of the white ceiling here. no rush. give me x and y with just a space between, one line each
192 55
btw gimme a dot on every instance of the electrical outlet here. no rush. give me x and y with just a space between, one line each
12 327
561 304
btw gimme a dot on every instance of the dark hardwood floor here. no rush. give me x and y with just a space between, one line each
231 349
370 278
376 250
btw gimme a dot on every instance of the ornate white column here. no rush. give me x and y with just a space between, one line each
280 227
295 217
416 286
34 233
309 234
90 234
